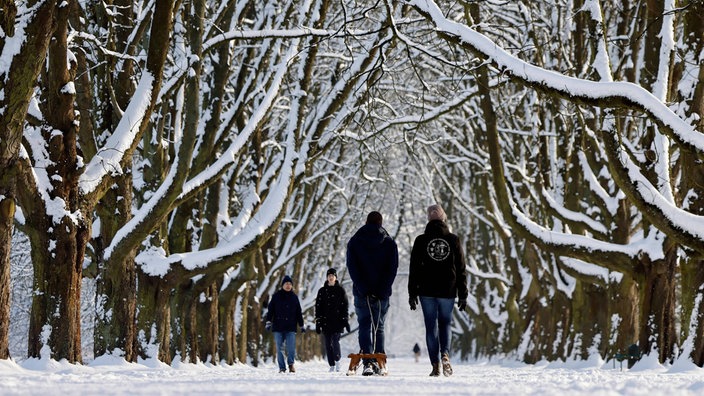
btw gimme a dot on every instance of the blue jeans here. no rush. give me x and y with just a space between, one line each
371 313
437 313
289 337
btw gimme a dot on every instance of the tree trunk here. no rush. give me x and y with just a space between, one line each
227 303
590 319
116 294
657 321
244 323
7 215
153 321
55 319
624 301
115 331
692 289
17 82
691 186
208 325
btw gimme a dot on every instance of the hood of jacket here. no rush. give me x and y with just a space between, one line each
437 227
371 234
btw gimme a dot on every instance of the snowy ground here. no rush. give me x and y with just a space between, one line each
107 376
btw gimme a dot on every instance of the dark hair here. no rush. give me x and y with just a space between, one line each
374 218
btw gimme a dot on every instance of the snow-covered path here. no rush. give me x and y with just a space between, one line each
111 377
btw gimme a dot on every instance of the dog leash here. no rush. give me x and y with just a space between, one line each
375 326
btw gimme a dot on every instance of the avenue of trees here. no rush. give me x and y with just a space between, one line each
180 156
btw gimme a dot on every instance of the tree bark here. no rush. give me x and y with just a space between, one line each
7 215
657 296
55 317
692 188
154 319
17 82
115 326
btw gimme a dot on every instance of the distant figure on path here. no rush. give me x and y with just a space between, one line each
283 313
437 275
331 317
372 262
416 351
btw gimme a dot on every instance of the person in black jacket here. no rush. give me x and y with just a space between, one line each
331 317
437 275
283 315
372 262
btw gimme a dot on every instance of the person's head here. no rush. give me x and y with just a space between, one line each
287 283
374 218
435 212
331 276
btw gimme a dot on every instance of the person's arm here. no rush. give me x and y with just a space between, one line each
344 306
392 262
319 312
271 308
461 272
299 313
353 268
413 270
318 305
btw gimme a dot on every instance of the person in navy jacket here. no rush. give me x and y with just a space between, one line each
331 317
372 262
282 316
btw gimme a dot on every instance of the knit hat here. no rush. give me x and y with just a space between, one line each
287 279
374 218
435 212
332 271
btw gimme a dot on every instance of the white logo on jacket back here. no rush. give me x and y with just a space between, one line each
438 249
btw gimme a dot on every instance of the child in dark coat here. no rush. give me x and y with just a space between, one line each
331 317
282 316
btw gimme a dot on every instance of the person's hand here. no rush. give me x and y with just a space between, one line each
347 327
317 328
267 326
413 302
303 330
462 304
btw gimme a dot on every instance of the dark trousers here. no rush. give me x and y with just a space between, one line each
371 314
332 347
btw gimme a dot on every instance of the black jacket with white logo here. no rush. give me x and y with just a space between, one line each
437 264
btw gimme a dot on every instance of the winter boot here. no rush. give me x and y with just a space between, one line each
436 370
368 369
337 366
446 367
291 369
332 369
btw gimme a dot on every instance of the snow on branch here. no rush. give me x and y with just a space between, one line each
687 227
586 248
266 34
156 263
607 94
230 155
573 216
108 160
